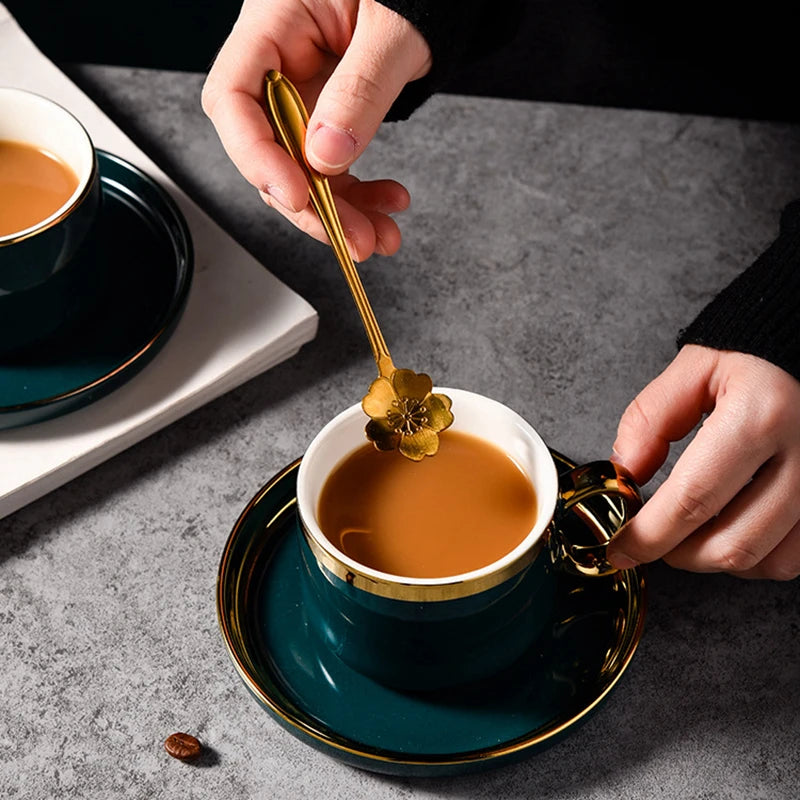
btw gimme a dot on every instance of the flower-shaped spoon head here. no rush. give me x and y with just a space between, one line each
405 414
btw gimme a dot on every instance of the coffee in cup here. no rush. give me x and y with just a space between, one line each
454 513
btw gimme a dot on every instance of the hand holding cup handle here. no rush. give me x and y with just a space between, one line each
604 497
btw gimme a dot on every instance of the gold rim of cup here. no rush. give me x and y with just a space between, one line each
474 414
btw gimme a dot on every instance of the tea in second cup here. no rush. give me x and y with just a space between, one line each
427 574
50 195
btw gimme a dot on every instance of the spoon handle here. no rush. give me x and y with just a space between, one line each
289 120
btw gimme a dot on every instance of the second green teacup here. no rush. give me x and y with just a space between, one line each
50 195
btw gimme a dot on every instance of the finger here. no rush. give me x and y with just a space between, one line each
232 99
748 529
717 463
388 237
385 53
665 411
386 196
359 227
375 200
783 563
248 140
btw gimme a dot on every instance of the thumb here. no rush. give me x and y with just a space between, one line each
664 411
384 54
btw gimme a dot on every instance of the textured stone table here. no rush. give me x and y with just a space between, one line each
551 255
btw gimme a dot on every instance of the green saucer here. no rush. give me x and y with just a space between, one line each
143 249
589 642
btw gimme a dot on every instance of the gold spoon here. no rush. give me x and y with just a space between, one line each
404 413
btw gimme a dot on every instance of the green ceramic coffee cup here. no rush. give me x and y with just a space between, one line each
45 283
429 633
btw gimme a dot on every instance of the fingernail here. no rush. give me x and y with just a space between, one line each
277 194
333 147
621 561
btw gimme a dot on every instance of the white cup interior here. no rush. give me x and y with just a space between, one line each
35 120
474 414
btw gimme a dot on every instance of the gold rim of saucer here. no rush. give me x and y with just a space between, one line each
234 579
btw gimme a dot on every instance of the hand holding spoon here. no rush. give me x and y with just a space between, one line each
404 412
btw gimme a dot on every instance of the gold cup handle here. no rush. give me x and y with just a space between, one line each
604 496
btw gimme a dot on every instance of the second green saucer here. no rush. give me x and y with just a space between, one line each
143 250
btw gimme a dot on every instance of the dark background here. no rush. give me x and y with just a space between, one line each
696 57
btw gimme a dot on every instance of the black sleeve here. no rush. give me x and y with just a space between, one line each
759 312
458 32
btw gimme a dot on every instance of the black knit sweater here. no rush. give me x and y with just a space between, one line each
758 313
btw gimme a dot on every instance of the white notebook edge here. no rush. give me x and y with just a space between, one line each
32 491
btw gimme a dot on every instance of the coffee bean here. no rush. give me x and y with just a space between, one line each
183 746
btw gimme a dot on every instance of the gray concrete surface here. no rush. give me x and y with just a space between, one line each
551 255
